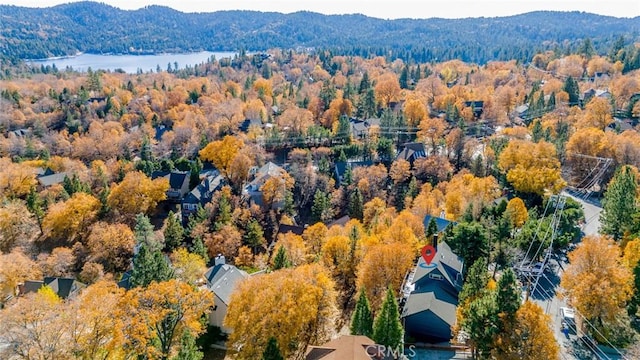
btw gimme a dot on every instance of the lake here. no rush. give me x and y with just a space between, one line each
130 63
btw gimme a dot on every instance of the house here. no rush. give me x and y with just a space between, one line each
412 151
441 223
352 347
45 181
248 123
63 287
222 279
201 194
587 95
359 128
431 297
340 168
620 125
296 230
178 183
522 111
251 192
476 106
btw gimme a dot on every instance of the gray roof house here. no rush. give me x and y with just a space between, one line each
431 297
201 194
63 287
252 191
222 279
51 179
412 151
178 183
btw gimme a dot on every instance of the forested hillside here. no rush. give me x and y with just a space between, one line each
99 28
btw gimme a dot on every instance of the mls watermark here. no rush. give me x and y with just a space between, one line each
385 352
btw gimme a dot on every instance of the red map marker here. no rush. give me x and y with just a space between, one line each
428 253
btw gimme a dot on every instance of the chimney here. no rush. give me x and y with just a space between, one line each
435 241
219 260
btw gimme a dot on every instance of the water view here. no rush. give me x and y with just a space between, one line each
131 63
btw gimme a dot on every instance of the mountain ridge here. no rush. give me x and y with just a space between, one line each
93 27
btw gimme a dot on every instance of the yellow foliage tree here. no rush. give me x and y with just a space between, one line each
296 306
387 89
16 180
222 152
157 316
531 338
137 194
384 266
517 211
315 237
415 111
16 267
531 167
595 282
96 332
69 219
111 245
187 266
294 246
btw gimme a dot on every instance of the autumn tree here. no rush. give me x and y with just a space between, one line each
15 268
384 266
15 225
137 194
36 327
69 219
222 152
596 283
295 306
531 337
387 329
619 204
95 330
517 212
111 245
188 267
157 316
531 167
16 180
387 89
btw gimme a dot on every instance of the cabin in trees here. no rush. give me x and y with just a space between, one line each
178 183
431 297
201 194
412 151
476 106
341 167
252 192
63 287
355 347
222 279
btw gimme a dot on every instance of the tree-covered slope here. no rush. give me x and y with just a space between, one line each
99 28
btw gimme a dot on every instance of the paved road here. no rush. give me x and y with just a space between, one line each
546 292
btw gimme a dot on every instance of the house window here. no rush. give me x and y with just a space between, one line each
190 207
435 276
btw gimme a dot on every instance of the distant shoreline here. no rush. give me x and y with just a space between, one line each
140 53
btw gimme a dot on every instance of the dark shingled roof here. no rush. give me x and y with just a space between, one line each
412 151
48 180
440 222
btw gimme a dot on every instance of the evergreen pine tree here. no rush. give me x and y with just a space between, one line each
404 78
321 208
476 281
281 261
188 348
356 206
508 295
254 236
173 232
619 204
571 87
537 134
387 329
272 351
224 212
148 266
432 228
144 232
362 319
364 83
199 249
35 206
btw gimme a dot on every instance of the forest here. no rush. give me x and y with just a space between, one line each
90 27
499 141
